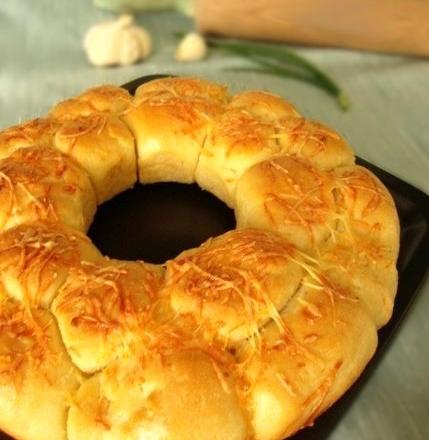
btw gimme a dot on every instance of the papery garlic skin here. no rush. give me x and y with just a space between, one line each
192 47
117 42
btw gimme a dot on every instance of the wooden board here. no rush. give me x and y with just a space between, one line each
400 26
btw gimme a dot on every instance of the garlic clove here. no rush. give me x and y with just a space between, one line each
192 47
99 43
134 46
129 49
117 42
145 41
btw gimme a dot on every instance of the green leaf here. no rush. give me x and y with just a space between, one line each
281 70
280 61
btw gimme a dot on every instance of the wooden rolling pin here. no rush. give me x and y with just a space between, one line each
400 26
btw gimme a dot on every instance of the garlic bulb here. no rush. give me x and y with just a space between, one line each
117 42
192 47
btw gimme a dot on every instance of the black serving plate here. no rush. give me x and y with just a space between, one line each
156 222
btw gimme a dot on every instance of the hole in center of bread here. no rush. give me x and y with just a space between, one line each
156 222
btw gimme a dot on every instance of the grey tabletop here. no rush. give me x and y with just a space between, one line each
42 62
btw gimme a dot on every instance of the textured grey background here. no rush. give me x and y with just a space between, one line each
388 124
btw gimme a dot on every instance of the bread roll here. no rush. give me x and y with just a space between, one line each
263 105
41 184
106 99
301 369
244 135
88 129
170 119
307 205
367 207
102 309
35 260
184 396
290 196
322 146
234 283
104 147
183 88
236 141
36 374
34 133
365 268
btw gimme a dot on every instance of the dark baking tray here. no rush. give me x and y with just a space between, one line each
156 222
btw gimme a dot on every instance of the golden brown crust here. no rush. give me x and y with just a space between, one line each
170 118
36 132
194 88
308 205
104 147
301 369
368 205
185 397
102 309
106 99
41 184
91 131
236 141
343 217
264 105
234 283
366 268
36 374
290 196
35 260
87 128
321 145
243 136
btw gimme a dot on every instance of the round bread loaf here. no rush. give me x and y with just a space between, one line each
252 335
